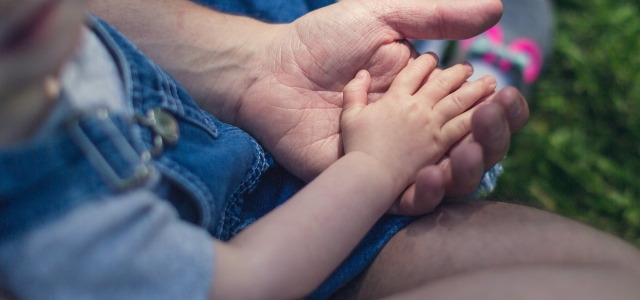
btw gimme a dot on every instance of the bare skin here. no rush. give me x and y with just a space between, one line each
546 282
461 238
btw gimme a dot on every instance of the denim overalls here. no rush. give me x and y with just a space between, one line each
205 170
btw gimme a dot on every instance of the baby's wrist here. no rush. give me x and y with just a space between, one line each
386 171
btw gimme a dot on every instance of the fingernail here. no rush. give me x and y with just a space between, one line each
515 108
435 56
468 66
490 80
360 74
496 127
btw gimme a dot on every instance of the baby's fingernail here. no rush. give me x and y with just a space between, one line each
490 80
435 56
360 74
468 66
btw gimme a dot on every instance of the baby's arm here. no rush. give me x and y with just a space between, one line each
289 252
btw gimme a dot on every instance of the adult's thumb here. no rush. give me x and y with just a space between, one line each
438 19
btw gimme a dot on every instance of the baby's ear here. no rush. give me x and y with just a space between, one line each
355 92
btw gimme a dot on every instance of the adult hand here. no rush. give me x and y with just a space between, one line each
293 108
324 49
460 173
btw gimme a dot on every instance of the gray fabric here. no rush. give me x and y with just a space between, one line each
529 18
480 68
520 18
90 80
128 247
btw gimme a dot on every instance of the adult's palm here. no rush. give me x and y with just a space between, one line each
294 107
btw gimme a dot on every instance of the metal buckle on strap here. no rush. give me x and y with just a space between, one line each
141 169
164 127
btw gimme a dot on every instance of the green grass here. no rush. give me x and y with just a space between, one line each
579 155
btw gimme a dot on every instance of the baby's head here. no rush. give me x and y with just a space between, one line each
36 38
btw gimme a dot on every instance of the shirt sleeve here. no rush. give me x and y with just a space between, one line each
132 246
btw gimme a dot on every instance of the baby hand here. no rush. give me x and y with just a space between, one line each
415 122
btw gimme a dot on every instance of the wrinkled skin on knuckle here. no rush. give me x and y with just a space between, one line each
441 84
457 100
462 126
439 147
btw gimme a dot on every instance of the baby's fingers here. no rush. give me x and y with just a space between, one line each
459 101
412 76
354 96
447 81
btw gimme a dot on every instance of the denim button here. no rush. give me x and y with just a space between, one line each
164 127
164 124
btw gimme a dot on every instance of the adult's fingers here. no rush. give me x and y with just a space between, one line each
515 107
495 121
424 195
464 170
455 176
491 131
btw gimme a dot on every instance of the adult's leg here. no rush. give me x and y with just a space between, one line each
540 283
461 237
